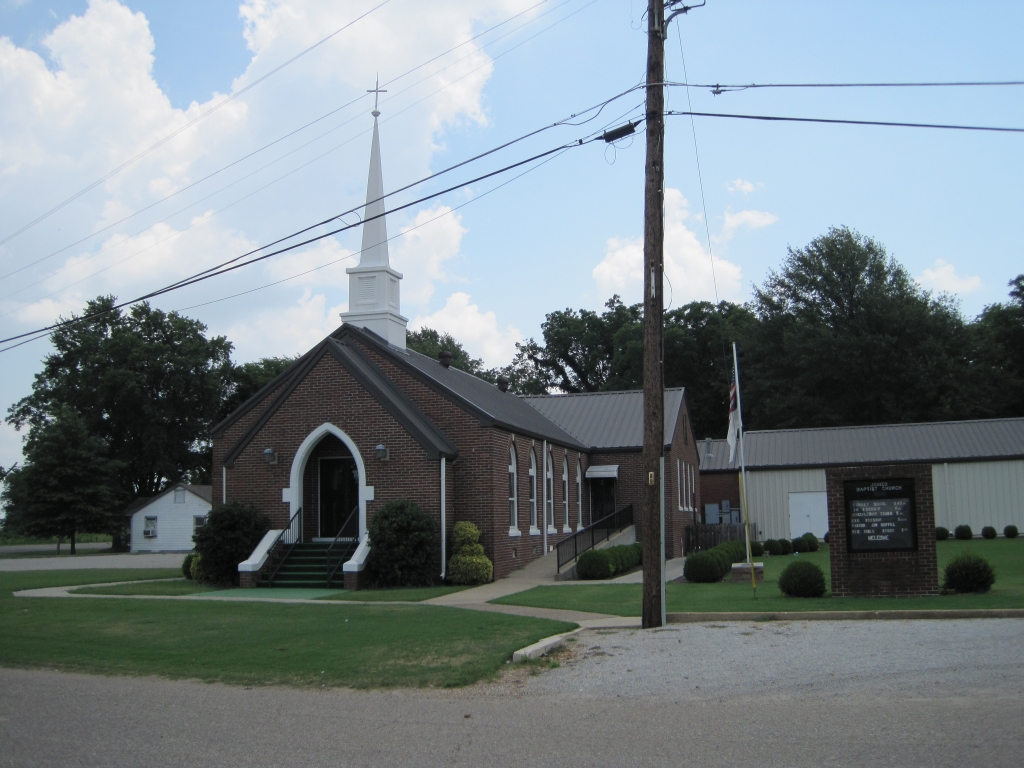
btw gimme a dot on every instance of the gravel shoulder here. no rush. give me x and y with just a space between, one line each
68 563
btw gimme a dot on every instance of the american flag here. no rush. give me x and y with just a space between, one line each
735 422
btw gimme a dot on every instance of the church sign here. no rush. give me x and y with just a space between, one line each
881 515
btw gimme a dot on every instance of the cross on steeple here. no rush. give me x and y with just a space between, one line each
376 91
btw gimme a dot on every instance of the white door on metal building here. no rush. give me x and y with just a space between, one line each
808 512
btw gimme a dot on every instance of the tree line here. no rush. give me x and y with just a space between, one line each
839 335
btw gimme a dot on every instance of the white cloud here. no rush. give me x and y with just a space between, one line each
327 251
942 277
431 241
289 331
749 219
477 330
740 185
687 263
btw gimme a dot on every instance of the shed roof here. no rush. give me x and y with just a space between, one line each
607 420
941 441
204 492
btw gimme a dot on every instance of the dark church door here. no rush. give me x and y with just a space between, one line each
602 497
339 496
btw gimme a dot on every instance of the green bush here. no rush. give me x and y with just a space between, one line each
941 534
1010 531
785 546
988 532
186 565
469 564
812 542
723 560
232 531
702 568
825 539
968 572
736 550
195 568
756 549
464 533
606 563
802 578
801 545
772 547
963 532
403 546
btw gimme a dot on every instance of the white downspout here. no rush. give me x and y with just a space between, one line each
443 528
544 493
223 484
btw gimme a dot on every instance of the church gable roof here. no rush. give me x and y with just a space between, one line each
607 420
395 402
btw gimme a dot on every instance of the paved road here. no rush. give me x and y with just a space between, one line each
795 694
68 563
17 548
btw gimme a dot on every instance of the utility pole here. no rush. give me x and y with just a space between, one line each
654 250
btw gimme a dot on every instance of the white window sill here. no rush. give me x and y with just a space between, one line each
579 528
567 529
534 530
552 529
513 531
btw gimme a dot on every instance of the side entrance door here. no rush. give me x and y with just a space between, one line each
602 497
808 512
339 496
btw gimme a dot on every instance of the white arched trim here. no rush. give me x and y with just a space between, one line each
293 495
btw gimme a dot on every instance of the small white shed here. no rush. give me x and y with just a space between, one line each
166 522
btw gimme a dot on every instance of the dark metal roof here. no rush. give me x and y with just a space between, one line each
717 459
204 492
605 420
480 398
984 439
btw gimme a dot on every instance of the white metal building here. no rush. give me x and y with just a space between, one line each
977 470
165 523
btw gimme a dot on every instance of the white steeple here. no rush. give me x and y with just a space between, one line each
374 287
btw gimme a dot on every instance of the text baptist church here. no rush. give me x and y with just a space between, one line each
359 420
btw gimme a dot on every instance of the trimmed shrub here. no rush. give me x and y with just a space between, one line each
968 572
723 560
736 550
812 542
801 545
802 579
469 565
1010 531
941 534
785 546
195 568
963 532
232 531
772 547
702 568
756 549
826 537
186 565
606 563
988 532
403 546
464 533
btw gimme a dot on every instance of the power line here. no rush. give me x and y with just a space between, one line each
187 125
232 264
718 88
775 118
295 131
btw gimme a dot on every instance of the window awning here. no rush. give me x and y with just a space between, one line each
603 470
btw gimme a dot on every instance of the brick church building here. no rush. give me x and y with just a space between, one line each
360 420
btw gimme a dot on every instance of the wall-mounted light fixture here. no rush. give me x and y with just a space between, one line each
270 455
382 452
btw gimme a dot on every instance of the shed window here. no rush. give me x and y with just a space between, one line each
179 495
533 491
513 496
149 531
198 521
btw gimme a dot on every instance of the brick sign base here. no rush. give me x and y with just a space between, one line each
891 574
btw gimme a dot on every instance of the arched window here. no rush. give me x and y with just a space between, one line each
566 528
579 495
513 494
549 479
533 491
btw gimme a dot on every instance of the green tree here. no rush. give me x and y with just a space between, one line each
245 380
429 342
67 485
146 382
999 355
845 336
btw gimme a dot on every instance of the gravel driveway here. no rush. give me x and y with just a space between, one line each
883 693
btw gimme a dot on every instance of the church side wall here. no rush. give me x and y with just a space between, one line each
682 496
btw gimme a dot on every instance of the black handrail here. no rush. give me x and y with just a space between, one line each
277 541
332 571
592 535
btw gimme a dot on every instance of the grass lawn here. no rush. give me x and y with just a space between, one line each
1005 555
254 643
409 594
173 588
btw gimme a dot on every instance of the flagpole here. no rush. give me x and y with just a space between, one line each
743 468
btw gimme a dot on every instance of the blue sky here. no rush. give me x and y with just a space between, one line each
88 85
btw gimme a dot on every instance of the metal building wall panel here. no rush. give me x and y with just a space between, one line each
979 494
768 498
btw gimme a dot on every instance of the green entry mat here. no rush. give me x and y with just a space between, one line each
282 593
